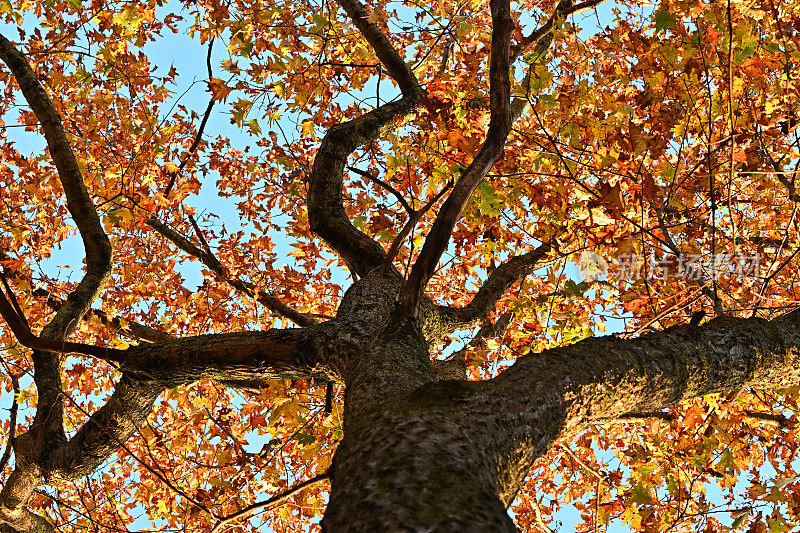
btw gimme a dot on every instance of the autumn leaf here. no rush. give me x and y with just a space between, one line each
219 89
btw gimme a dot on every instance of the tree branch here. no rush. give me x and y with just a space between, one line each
19 326
554 394
14 516
129 328
275 500
455 367
106 430
494 287
95 241
47 429
199 136
492 148
245 287
386 186
326 215
693 273
386 53
541 39
414 217
12 424
542 36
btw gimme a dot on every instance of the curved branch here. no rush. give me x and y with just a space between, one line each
326 215
494 287
386 53
211 261
541 39
105 431
14 516
47 430
542 36
492 148
95 241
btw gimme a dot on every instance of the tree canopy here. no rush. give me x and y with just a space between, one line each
490 260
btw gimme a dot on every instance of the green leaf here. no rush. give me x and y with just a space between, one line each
647 469
570 287
547 101
777 525
304 438
641 495
488 203
740 517
664 19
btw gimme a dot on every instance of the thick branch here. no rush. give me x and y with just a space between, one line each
388 56
105 431
14 516
455 366
47 430
492 148
326 215
271 354
211 261
554 394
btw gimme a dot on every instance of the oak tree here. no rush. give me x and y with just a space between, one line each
390 336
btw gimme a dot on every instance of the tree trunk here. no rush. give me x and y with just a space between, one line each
426 455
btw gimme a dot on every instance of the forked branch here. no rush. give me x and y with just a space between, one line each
48 427
495 286
492 148
326 215
95 241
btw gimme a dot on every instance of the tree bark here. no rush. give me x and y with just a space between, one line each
451 455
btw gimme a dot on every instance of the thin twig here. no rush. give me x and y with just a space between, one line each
210 260
275 500
583 464
539 519
198 137
414 218
378 181
13 414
